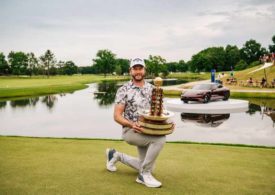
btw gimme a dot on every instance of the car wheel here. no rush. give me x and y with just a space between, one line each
226 96
206 98
185 101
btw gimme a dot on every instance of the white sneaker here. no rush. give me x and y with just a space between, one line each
112 158
148 180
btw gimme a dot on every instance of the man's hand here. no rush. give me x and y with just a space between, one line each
173 126
137 128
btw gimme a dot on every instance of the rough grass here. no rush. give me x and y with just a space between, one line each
245 74
31 86
71 166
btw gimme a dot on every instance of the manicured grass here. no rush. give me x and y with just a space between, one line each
26 86
190 76
72 166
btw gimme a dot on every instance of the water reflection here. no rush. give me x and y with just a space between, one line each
3 104
48 100
24 102
270 112
253 108
206 120
106 92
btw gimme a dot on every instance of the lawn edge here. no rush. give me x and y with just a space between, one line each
120 140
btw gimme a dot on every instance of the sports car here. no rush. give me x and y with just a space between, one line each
205 93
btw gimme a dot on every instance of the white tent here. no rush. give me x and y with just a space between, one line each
266 65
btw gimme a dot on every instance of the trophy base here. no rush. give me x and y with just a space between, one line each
166 115
156 127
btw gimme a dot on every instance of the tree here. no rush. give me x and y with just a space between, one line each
124 65
48 61
210 58
182 66
118 70
18 62
199 63
70 68
104 62
60 67
241 65
252 51
4 67
164 71
32 63
232 56
272 47
172 66
86 70
155 65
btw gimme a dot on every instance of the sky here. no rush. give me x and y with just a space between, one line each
174 29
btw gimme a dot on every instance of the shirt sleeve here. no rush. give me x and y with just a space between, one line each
121 95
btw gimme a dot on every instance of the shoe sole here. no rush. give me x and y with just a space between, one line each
150 186
107 161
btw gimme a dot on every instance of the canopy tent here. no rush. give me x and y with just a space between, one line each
266 65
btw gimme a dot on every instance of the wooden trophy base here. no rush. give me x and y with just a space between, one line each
156 127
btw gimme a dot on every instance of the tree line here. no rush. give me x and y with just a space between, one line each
220 58
20 63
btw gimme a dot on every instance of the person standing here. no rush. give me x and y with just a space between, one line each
130 98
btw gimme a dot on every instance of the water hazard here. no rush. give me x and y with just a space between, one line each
88 113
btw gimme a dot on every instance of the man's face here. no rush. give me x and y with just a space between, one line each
137 72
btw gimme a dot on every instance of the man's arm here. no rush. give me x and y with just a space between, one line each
118 111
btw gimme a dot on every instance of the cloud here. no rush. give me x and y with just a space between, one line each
173 29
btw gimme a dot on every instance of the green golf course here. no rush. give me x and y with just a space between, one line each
75 166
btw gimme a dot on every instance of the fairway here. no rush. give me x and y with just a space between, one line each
73 166
11 87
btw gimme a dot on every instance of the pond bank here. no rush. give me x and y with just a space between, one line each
11 87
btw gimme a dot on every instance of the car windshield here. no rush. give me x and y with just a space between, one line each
203 87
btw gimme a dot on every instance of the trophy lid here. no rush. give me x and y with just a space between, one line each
158 81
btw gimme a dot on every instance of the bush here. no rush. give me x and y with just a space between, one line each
252 64
241 65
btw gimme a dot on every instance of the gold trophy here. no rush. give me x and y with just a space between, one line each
156 120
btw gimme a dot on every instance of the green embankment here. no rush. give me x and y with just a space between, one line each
71 166
26 86
240 76
258 75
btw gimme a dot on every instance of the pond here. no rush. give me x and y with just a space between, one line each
86 114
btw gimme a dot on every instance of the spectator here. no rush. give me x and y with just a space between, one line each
263 82
273 83
249 82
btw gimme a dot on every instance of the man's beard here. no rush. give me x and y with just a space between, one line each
138 77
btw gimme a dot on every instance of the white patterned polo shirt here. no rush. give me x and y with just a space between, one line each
134 98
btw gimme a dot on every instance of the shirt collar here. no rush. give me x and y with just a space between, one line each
133 86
